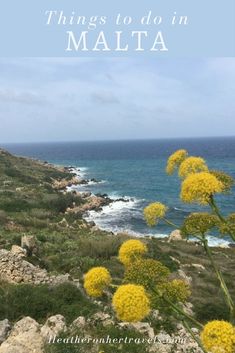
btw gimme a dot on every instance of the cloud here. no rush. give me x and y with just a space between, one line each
82 99
104 98
9 95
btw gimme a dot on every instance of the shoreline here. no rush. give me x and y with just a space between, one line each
100 201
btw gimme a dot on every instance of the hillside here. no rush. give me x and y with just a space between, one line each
34 204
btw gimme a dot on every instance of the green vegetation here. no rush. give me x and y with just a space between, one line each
30 205
42 301
99 333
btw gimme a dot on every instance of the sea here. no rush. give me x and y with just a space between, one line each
134 171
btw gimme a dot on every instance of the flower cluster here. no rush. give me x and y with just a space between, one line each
229 225
219 337
200 187
146 272
131 303
198 223
153 212
131 250
176 291
192 165
96 280
175 160
224 178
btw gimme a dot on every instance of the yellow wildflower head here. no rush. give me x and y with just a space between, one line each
175 160
146 272
153 212
218 337
96 280
175 291
225 179
229 226
199 187
198 223
131 250
131 303
192 165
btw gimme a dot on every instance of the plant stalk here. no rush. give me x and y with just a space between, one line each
219 275
188 328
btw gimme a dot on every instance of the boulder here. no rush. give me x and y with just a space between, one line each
175 236
53 326
15 249
186 278
5 328
103 318
25 337
79 323
29 243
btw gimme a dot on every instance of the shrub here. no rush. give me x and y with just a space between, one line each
41 301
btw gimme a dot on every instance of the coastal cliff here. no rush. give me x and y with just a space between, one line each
47 246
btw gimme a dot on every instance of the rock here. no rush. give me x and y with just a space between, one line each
186 278
15 249
197 266
91 224
29 243
85 194
93 203
141 327
144 328
53 326
175 260
63 223
79 323
188 308
224 246
24 338
175 236
63 183
14 269
95 229
5 328
103 318
62 278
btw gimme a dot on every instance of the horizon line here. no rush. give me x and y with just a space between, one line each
116 140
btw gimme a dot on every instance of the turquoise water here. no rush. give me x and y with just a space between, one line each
135 170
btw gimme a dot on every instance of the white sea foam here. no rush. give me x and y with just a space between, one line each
79 171
111 215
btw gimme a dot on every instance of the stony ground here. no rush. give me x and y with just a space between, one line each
46 249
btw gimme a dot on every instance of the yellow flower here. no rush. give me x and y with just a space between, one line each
199 187
175 160
198 223
192 165
218 337
225 179
131 303
146 272
131 250
96 280
153 212
175 291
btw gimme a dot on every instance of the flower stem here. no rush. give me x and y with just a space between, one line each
216 211
219 275
196 339
177 309
170 223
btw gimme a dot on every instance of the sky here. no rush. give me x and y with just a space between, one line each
79 99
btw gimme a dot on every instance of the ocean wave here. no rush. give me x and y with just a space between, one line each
94 182
109 218
79 171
